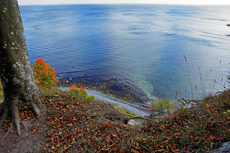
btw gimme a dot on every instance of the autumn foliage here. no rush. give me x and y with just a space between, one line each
44 74
74 126
79 125
78 92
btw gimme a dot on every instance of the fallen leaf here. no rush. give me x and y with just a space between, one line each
134 151
110 122
114 135
173 146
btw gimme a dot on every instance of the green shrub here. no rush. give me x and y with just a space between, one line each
91 97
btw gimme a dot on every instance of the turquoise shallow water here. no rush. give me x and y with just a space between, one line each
141 46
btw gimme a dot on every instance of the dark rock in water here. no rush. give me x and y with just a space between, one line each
116 88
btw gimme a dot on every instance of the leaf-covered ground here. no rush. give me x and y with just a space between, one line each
78 125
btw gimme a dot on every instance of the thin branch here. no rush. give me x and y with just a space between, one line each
145 148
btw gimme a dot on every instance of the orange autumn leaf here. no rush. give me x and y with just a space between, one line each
151 148
110 122
82 89
151 107
40 60
114 135
211 137
72 87
173 146
39 88
40 71
220 139
134 151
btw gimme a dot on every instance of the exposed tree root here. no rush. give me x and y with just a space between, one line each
11 127
35 109
24 125
13 111
15 115
4 117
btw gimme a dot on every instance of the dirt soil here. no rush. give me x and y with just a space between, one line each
30 140
34 139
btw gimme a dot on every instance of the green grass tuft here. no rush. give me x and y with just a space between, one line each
162 104
91 97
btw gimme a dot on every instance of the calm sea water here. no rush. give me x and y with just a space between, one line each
142 46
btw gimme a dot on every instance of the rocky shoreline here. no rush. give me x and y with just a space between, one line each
109 87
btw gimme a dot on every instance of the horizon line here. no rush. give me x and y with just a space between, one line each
130 4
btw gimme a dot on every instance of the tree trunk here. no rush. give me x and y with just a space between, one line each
15 67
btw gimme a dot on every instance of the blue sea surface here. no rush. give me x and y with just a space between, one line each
162 50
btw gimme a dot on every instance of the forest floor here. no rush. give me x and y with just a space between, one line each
74 124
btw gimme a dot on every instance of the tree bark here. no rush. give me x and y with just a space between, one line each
15 67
